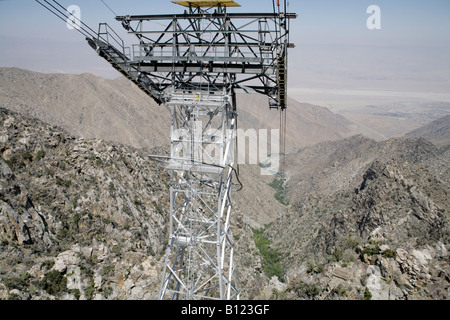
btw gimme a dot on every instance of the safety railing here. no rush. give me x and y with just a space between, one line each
106 33
186 52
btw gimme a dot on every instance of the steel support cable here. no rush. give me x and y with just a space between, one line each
275 20
237 149
68 16
62 16
286 6
94 32
283 126
109 8
283 116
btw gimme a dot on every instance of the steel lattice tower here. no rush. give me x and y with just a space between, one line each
199 261
194 63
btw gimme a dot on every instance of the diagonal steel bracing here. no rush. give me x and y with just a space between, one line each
199 259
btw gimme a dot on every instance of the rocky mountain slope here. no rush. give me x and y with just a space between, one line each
367 220
87 106
86 219
437 131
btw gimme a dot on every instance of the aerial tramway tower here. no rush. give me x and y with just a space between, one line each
194 63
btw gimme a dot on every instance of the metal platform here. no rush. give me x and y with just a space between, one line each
207 3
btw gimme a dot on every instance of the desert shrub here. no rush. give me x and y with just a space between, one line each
54 282
280 189
19 282
389 253
39 155
271 258
367 294
89 291
313 267
306 290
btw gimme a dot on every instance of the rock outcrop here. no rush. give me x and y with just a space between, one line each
86 219
380 234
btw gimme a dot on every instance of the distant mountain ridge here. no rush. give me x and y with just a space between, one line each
87 106
116 110
437 131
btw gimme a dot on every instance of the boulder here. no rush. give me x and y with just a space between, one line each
376 285
12 225
65 259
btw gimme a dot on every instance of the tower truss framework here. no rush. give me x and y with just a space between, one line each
199 261
194 63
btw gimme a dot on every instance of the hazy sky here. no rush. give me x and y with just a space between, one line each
334 47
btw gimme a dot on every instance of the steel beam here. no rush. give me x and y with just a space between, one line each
198 16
